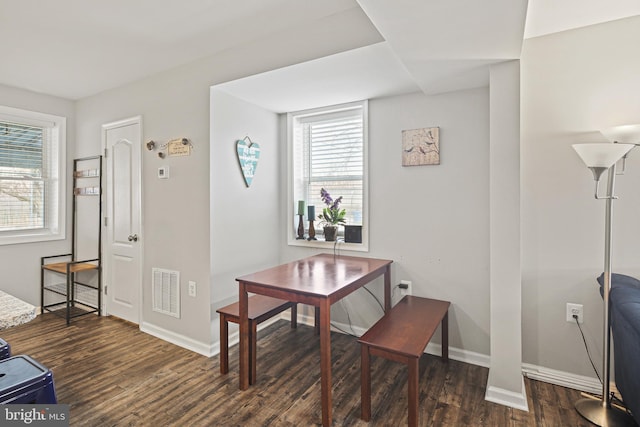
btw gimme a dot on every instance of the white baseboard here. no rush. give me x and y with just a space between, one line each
507 397
460 355
178 339
565 379
434 349
493 394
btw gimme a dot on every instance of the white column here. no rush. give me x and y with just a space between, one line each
506 383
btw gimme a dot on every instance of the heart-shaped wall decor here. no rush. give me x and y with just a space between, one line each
248 155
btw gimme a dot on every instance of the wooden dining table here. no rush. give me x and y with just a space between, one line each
320 281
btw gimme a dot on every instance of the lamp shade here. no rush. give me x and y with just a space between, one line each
601 155
626 134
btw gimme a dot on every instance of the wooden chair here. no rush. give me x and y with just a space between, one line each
261 308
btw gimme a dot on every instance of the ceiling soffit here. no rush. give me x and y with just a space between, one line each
444 49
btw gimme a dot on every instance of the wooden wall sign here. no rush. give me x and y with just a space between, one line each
179 147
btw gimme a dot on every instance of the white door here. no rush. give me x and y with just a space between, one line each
123 246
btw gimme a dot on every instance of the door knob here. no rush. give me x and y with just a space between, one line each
133 238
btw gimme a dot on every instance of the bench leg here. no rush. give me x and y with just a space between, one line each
365 383
412 386
253 338
445 337
224 344
294 315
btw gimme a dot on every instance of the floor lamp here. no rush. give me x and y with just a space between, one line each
599 158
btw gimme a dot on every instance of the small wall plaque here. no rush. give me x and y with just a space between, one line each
177 147
421 147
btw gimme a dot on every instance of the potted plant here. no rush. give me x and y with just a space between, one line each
332 216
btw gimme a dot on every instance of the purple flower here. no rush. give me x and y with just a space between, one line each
336 203
326 197
332 214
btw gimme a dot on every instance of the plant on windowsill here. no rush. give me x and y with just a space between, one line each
332 216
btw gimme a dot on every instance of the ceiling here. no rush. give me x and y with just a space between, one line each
76 48
336 79
552 16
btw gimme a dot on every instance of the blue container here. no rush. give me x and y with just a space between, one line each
5 349
25 381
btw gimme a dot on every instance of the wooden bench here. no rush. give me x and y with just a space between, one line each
261 308
402 335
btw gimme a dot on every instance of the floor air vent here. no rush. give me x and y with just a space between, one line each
165 292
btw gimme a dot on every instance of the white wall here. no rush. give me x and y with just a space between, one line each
433 221
20 263
176 212
574 83
244 220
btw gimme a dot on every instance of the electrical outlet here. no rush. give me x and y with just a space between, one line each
575 309
192 288
407 290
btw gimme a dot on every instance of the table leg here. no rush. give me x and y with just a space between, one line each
387 289
244 336
412 388
445 337
253 348
224 344
365 383
325 361
294 316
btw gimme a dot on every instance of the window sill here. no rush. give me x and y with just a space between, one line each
14 238
339 245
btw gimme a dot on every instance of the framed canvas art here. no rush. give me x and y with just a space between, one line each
421 147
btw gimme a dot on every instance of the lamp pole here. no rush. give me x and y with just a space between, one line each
600 157
601 412
606 335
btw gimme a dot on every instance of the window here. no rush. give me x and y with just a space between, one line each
327 149
32 160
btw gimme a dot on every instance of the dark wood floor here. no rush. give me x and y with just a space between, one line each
112 374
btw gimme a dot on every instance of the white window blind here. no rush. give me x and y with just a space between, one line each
31 176
22 173
327 148
335 160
